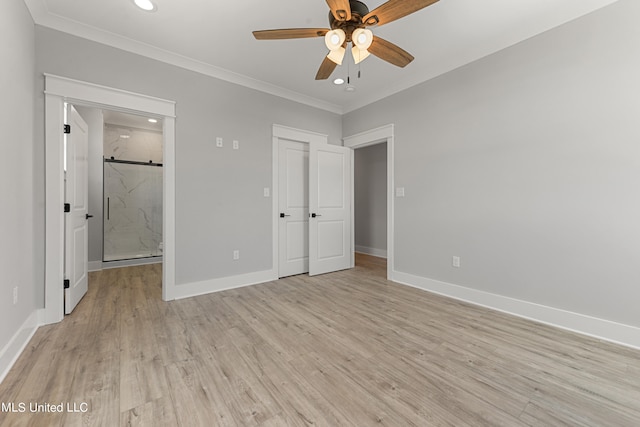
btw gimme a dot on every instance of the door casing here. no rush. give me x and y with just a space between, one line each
365 139
59 90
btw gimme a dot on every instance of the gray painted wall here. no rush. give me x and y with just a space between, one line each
526 164
219 191
370 199
18 244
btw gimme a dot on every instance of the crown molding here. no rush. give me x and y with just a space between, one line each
43 17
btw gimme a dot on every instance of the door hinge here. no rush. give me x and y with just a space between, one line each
67 283
67 128
67 207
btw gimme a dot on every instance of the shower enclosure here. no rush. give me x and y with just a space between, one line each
132 210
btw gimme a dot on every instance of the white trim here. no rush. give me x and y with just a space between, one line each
380 253
365 139
57 91
16 345
598 328
369 137
103 96
224 283
292 134
43 18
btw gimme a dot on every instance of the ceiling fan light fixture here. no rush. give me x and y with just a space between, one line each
359 55
337 55
362 38
334 39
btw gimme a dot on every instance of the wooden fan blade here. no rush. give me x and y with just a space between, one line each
290 33
326 68
394 9
340 9
390 52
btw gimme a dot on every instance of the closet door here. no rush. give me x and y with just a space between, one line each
330 200
293 208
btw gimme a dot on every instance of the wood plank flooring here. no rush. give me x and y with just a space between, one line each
343 349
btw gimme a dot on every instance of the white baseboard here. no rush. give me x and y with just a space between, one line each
380 253
587 325
14 348
222 284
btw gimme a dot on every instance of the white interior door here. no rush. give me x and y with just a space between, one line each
76 196
330 190
293 212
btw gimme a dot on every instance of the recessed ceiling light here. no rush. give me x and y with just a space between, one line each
350 88
125 136
153 121
338 81
147 5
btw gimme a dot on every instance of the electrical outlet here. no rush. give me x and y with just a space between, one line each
15 295
236 144
267 192
400 192
236 255
455 261
219 142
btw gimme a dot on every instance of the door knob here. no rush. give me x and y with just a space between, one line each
313 215
282 215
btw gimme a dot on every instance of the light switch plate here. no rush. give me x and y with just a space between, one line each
400 192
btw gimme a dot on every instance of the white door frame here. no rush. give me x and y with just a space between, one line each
365 139
291 134
59 90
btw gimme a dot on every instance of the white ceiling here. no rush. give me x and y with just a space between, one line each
130 120
214 37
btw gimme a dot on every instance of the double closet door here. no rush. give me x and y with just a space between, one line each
315 208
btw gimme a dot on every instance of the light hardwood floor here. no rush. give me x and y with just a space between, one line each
347 348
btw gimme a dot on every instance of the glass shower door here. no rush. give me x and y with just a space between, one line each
132 210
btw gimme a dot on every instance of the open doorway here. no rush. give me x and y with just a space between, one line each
121 194
61 90
130 189
370 138
370 200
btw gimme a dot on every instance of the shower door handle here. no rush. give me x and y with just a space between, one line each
108 208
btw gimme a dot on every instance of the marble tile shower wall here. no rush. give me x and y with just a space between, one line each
132 194
133 211
125 143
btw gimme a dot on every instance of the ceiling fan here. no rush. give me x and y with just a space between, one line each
348 20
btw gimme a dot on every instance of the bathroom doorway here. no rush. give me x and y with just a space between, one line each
132 190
